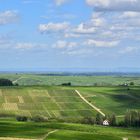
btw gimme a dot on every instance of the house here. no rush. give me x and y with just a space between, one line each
106 123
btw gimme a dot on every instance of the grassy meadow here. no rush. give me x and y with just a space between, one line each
64 131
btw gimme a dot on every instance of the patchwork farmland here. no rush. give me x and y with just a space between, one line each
67 103
57 102
50 102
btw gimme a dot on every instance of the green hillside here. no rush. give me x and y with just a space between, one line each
57 102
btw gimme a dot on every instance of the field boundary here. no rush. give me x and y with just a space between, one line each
86 101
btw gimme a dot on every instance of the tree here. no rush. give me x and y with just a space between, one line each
132 83
22 118
132 118
99 119
5 82
112 120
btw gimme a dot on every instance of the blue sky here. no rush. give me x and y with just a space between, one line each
69 34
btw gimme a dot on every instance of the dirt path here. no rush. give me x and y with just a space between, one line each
42 138
45 136
18 79
10 138
93 106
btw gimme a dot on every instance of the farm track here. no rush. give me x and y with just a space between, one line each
49 133
10 138
93 106
15 81
42 138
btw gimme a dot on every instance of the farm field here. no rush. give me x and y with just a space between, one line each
36 79
11 130
58 101
113 100
47 101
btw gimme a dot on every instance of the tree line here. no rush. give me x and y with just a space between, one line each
131 119
6 82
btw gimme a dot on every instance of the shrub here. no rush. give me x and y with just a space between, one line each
88 120
66 84
22 118
39 119
132 84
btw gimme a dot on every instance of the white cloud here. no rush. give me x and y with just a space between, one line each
29 45
25 45
61 44
100 43
60 2
83 29
8 17
91 26
130 14
79 52
129 50
53 27
115 5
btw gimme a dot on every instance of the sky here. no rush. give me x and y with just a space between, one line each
69 34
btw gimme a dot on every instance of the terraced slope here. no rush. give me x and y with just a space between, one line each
49 102
65 102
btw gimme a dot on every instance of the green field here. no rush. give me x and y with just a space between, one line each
47 101
63 131
58 101
36 79
39 95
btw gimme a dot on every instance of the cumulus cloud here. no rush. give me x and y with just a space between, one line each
115 5
83 29
8 17
53 27
102 30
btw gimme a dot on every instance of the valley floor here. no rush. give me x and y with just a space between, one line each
12 130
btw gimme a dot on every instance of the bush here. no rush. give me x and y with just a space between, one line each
88 120
39 119
132 83
66 84
22 118
16 84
